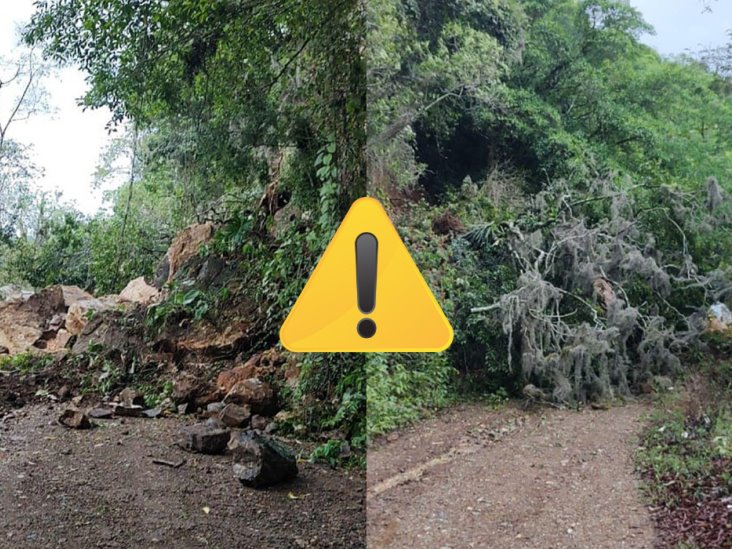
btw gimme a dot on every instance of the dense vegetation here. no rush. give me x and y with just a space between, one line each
226 112
571 190
563 187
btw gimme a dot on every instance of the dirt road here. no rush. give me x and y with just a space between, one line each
476 477
100 488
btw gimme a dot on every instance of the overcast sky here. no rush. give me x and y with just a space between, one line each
67 142
683 25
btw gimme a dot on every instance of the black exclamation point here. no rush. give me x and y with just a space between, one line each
367 249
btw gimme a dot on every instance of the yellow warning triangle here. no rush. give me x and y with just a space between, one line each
401 315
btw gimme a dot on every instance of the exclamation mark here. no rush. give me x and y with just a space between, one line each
367 250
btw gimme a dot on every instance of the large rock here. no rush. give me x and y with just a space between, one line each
112 332
25 321
228 378
74 294
74 419
233 415
204 338
186 245
58 342
259 365
139 291
205 438
80 312
12 292
261 461
255 393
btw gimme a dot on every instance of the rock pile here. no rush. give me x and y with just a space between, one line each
46 321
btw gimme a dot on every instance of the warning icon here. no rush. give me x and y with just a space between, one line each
366 294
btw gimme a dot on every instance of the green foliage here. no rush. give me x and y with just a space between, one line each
331 396
401 388
183 301
25 363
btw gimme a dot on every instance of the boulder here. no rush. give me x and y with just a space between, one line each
261 461
185 245
131 397
254 392
133 410
205 438
259 423
24 322
101 413
12 292
74 294
228 378
205 338
138 291
188 389
74 419
59 341
110 331
233 415
79 313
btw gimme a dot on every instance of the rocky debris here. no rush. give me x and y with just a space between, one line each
190 390
111 331
13 292
261 461
74 419
254 392
63 393
214 407
123 410
56 344
185 245
152 413
138 291
259 365
233 415
205 338
210 437
259 423
24 322
228 378
73 294
131 397
79 313
185 389
101 413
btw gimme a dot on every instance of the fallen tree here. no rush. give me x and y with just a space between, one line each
600 307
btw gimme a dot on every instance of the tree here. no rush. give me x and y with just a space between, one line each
235 75
21 96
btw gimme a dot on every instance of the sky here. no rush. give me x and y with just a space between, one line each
67 141
683 25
